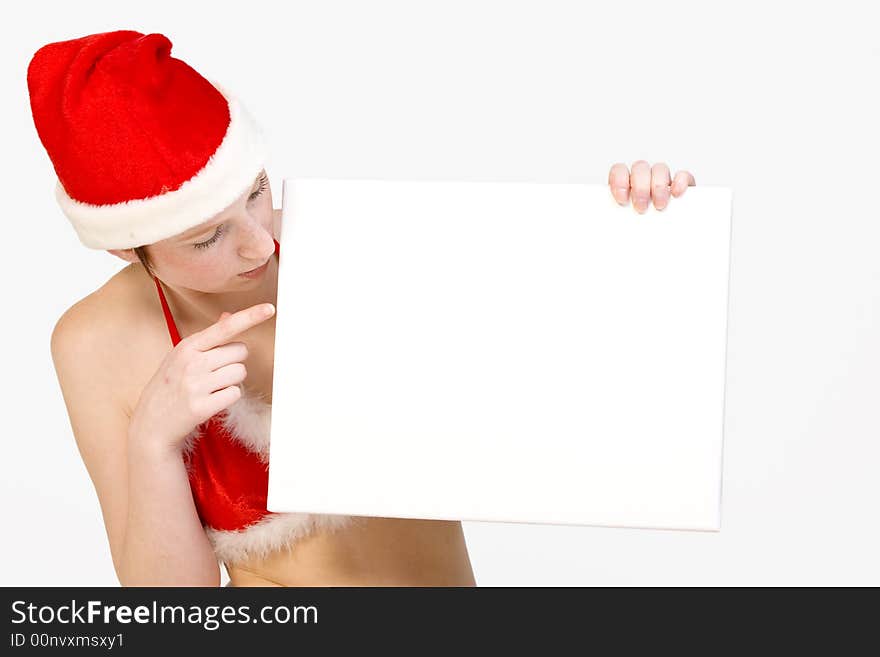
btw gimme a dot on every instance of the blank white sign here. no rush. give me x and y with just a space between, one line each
500 351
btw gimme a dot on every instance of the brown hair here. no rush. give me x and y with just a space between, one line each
144 258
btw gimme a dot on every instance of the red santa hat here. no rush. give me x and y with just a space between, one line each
144 147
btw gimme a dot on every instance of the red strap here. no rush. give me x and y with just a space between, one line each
169 320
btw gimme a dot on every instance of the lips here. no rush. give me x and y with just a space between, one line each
257 271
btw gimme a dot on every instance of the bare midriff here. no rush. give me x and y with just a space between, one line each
369 552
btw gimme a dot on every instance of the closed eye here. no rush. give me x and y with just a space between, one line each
208 242
264 184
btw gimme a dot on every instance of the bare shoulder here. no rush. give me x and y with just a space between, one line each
114 335
102 314
105 347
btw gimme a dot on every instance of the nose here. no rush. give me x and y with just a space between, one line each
257 243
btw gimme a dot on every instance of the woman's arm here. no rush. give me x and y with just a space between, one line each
155 536
164 542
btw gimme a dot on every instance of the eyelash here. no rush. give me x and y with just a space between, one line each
264 183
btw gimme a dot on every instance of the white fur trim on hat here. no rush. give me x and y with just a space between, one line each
227 174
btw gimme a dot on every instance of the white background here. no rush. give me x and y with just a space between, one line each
776 100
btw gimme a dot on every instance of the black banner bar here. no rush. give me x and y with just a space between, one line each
419 619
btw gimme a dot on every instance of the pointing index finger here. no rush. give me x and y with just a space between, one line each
223 330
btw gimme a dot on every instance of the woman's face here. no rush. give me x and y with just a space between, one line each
210 257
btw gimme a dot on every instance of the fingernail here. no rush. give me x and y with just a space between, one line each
641 203
620 194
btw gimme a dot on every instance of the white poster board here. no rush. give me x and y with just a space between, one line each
500 351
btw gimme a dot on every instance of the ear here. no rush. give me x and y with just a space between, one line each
126 254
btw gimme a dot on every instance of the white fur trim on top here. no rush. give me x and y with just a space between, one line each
227 174
249 421
274 531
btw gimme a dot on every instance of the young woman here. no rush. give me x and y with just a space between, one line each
166 369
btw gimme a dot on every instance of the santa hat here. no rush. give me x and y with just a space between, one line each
144 147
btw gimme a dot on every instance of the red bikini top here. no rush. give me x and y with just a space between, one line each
228 473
